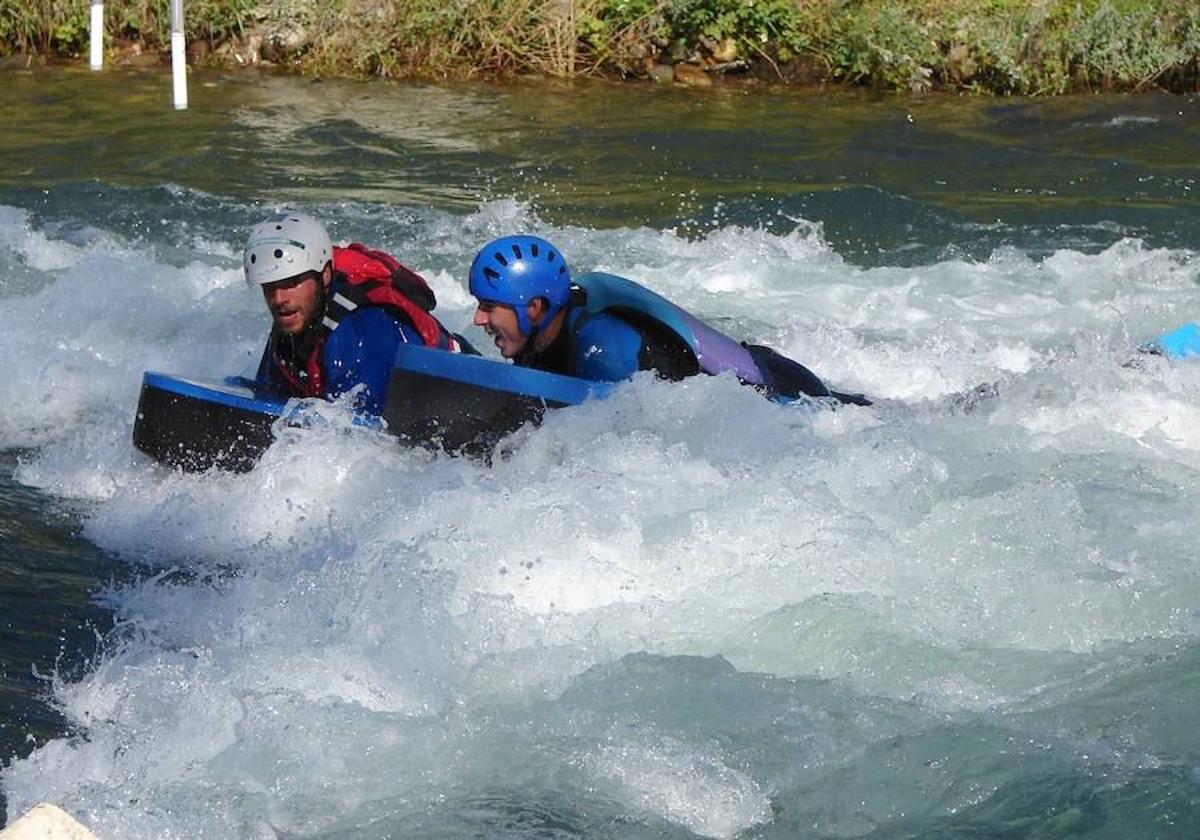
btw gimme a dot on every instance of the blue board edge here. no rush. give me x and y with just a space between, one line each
225 393
456 367
498 376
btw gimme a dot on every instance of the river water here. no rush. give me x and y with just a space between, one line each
969 610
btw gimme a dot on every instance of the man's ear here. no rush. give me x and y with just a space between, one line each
536 309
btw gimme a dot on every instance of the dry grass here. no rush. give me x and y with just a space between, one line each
990 46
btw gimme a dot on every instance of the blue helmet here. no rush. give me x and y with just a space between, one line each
516 270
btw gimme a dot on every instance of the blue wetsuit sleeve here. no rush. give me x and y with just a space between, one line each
362 351
1179 343
607 349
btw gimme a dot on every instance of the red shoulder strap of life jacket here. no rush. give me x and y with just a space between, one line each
379 279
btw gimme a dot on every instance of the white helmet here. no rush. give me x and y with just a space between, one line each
286 245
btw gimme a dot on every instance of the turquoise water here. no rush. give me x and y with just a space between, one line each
50 625
679 612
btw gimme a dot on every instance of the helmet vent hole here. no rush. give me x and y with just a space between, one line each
491 273
278 253
253 259
500 259
533 250
516 249
549 256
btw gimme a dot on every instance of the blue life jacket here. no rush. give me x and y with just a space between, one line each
616 327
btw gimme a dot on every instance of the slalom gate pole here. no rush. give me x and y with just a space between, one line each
96 53
178 57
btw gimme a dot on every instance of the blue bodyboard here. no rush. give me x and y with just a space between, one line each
459 402
466 403
196 424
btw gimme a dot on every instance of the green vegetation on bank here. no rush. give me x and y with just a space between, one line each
992 46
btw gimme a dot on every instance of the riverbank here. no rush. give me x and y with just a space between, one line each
1026 47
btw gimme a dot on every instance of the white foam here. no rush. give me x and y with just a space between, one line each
680 784
310 639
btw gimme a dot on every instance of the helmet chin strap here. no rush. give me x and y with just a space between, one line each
322 295
547 317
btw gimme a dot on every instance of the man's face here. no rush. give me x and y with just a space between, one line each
295 303
500 322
